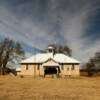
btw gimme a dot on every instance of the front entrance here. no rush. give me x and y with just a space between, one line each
51 70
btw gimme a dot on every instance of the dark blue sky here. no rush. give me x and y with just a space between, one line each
37 23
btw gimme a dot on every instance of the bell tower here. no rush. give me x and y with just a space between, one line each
51 49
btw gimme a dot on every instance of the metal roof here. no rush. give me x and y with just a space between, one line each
43 57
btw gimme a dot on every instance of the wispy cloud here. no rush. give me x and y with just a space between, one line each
39 22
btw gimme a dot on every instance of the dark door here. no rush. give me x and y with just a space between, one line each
50 70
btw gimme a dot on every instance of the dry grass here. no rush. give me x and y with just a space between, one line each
83 88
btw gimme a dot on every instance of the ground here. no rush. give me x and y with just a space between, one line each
82 88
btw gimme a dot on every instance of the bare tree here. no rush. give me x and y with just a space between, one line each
9 50
93 65
90 67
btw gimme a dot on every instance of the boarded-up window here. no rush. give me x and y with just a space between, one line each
38 67
26 66
72 67
67 68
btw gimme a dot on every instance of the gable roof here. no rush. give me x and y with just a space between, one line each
62 58
50 62
43 57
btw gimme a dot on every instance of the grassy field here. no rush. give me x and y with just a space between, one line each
83 88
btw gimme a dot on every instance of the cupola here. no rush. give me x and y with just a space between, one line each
50 49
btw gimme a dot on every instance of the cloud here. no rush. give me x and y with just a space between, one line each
78 24
37 24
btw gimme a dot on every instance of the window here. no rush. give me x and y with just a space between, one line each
62 67
50 50
72 68
38 67
67 68
26 66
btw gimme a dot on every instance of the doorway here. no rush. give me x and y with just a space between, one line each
51 70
